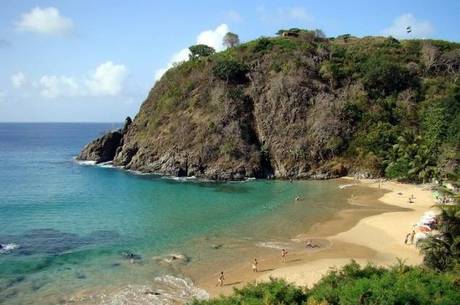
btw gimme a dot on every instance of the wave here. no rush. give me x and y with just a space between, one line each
138 173
166 290
108 164
8 247
85 162
344 186
273 245
180 179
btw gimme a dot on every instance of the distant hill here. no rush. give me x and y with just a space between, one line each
300 106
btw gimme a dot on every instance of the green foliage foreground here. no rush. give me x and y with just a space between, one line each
354 285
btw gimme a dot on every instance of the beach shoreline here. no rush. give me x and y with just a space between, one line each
371 231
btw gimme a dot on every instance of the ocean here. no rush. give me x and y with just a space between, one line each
74 233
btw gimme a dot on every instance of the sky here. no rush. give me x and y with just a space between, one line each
95 61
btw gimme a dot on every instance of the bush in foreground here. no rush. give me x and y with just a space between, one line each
354 285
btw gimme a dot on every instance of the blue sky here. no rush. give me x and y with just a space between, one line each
95 61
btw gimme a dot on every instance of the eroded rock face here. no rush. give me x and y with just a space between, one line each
104 149
272 126
291 117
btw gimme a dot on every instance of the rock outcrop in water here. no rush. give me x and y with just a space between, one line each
297 107
103 149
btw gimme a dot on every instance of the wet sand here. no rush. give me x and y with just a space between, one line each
371 230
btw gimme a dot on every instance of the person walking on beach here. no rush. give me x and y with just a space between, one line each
254 265
412 235
283 255
220 280
406 240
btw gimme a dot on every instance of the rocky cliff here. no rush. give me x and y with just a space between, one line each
298 107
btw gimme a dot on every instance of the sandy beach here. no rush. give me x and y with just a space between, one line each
373 230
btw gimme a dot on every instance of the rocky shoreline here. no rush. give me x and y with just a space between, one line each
111 148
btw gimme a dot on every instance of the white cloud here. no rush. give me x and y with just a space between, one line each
420 29
18 80
212 38
57 86
45 21
107 79
177 57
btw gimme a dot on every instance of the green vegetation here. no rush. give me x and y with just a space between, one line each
230 71
200 50
263 44
302 105
383 77
442 250
437 281
354 285
231 40
376 106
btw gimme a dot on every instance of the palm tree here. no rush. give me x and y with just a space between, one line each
442 250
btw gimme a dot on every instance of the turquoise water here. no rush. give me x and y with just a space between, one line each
72 224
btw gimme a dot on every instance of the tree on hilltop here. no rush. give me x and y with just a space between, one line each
200 50
231 40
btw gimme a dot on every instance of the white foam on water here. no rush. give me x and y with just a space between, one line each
135 172
344 186
166 290
85 162
108 164
273 245
180 179
8 248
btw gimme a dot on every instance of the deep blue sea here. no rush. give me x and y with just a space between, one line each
70 232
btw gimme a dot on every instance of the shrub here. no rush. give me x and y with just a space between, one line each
383 77
442 250
353 285
200 50
230 71
231 40
263 44
273 292
375 285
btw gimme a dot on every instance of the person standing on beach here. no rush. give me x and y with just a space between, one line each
406 240
254 265
220 280
412 235
283 255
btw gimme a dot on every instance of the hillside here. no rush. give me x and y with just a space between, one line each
300 107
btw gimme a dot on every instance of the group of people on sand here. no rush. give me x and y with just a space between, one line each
255 268
255 263
412 199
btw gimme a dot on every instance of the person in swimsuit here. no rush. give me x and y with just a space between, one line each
220 280
406 240
412 236
283 255
254 265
